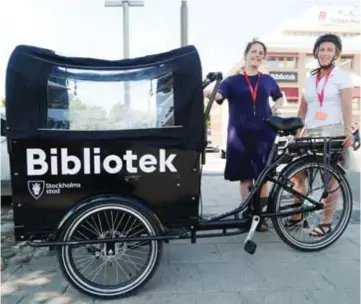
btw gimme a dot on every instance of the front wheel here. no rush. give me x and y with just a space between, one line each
110 270
301 234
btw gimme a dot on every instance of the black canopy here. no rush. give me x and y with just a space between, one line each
30 69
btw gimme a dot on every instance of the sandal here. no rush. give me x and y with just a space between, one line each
263 202
321 229
290 223
262 226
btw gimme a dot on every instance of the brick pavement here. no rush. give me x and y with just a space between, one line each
216 269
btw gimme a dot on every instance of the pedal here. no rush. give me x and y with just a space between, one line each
249 245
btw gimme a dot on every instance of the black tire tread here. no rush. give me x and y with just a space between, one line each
148 215
289 169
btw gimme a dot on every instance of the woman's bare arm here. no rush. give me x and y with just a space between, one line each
302 111
278 104
208 93
346 108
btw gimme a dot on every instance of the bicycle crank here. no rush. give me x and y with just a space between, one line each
250 246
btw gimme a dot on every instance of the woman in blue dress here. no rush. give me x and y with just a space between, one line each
249 139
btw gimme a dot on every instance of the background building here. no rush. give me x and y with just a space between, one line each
290 57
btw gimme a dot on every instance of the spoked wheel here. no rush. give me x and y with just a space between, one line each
303 233
110 270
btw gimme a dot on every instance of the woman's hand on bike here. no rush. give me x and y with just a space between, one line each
299 133
207 93
348 142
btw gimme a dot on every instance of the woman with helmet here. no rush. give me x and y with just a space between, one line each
326 108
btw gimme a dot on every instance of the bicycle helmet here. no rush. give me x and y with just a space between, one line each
336 40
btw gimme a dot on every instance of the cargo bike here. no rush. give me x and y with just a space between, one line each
106 163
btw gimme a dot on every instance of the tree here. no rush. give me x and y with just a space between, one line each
77 104
85 117
209 116
3 102
117 112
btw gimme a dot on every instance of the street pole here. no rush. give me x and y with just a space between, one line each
125 4
126 54
184 22
126 29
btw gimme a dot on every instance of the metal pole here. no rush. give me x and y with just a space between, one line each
184 22
126 29
126 50
125 4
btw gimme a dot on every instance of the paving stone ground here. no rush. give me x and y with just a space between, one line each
214 270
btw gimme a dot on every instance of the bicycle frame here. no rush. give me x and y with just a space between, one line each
274 160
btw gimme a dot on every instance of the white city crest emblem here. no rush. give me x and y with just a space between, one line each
36 188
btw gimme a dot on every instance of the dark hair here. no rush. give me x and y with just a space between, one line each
255 41
248 47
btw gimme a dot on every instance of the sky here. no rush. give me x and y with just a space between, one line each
219 30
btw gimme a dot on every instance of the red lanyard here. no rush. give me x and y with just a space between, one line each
322 94
253 91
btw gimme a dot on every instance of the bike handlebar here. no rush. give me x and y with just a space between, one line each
211 77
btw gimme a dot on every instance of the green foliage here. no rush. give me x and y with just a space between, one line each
77 104
117 112
3 102
209 117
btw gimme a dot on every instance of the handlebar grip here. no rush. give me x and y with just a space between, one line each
214 75
211 76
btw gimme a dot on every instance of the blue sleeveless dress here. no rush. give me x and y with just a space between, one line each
249 139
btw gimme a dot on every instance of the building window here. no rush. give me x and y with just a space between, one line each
311 62
282 62
316 34
346 63
291 62
272 62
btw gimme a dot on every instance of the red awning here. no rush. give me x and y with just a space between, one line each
291 93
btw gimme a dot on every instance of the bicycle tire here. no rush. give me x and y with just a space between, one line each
287 173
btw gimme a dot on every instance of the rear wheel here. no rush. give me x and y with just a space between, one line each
110 270
300 236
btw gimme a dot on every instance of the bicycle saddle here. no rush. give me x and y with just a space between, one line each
288 124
